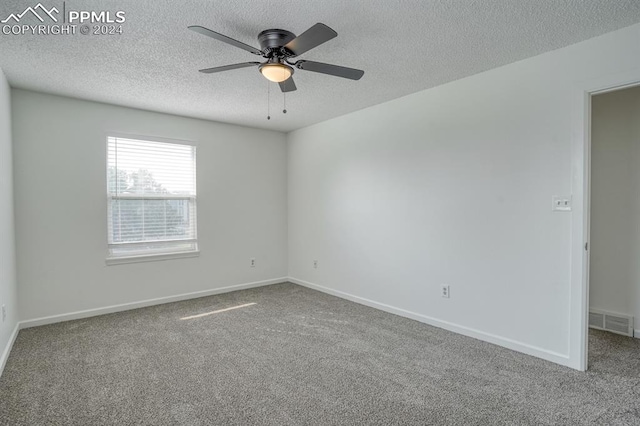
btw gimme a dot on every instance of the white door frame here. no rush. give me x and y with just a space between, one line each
581 182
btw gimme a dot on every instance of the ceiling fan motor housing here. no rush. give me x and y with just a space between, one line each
273 40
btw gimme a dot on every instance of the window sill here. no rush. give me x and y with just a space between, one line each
150 257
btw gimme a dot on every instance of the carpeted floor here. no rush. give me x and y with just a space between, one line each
300 357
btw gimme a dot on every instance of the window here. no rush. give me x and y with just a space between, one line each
151 189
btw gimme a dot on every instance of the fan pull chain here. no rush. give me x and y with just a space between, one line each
268 101
284 97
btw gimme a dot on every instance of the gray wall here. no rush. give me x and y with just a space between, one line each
454 185
8 285
61 210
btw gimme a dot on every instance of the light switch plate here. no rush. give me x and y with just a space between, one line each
561 203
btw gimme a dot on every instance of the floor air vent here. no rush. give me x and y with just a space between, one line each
615 323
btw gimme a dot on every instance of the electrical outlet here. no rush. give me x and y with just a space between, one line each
4 313
444 291
315 264
252 262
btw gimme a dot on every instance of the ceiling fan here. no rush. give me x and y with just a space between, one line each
278 47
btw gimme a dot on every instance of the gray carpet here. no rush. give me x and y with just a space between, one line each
300 357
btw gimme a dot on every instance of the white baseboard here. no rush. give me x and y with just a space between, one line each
143 303
466 331
636 334
7 349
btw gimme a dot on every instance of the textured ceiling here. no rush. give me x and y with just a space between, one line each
403 45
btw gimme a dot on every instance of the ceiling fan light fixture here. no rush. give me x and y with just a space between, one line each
276 72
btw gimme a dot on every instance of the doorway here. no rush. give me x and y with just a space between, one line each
614 229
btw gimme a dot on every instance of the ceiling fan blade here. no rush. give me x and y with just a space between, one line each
344 72
311 38
229 67
224 38
288 85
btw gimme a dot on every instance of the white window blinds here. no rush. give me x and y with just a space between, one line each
151 189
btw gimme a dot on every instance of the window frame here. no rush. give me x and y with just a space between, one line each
150 257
